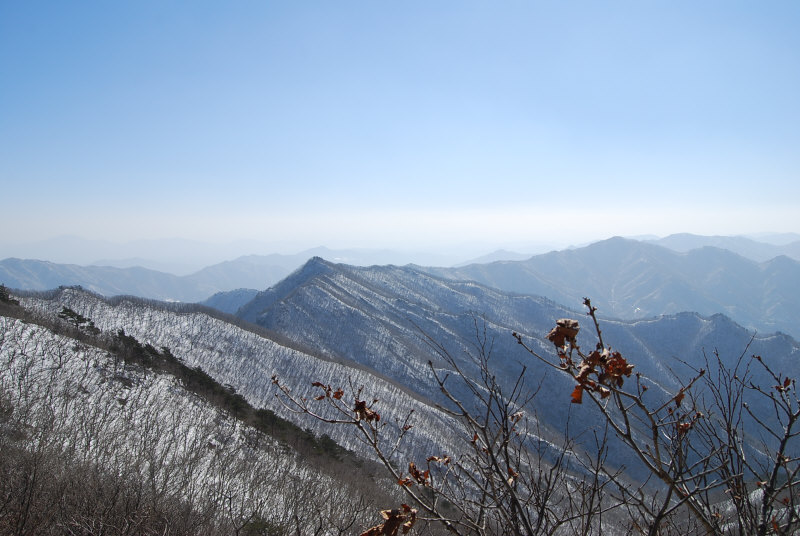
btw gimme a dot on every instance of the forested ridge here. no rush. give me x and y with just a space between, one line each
102 434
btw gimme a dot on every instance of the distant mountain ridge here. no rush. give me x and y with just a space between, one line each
230 301
246 272
636 279
499 255
639 280
746 247
109 281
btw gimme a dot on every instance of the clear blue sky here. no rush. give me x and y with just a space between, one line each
377 123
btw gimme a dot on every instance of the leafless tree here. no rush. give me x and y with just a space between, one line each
708 474
694 441
508 478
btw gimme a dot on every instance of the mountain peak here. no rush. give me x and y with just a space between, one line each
313 268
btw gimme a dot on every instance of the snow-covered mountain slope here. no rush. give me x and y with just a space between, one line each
230 301
383 316
247 360
89 442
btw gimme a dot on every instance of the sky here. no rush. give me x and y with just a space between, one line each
413 124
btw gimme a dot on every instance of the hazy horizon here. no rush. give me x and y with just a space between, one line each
183 256
412 126
178 255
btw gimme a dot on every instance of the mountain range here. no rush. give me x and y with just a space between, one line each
381 317
634 279
118 277
746 247
379 332
252 271
637 280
